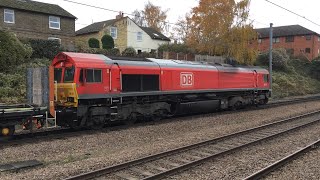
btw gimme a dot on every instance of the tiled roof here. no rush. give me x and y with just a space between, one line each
35 6
98 26
154 34
292 30
95 27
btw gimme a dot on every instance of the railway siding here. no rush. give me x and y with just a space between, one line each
174 161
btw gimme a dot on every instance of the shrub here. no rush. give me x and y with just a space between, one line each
147 55
12 51
12 88
94 43
109 52
107 42
178 48
114 52
44 48
280 59
130 52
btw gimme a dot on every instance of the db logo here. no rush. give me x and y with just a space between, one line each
186 79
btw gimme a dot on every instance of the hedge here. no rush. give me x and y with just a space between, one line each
44 48
107 42
12 51
94 43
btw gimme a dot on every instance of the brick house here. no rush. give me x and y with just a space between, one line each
297 40
36 20
125 32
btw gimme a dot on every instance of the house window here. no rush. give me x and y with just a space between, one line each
139 36
93 75
8 16
54 22
318 38
113 32
259 41
308 37
54 39
276 40
290 39
308 50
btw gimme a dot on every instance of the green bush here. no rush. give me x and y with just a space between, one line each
12 51
147 55
13 85
280 59
94 43
129 52
114 52
109 52
107 42
44 48
293 84
178 48
12 88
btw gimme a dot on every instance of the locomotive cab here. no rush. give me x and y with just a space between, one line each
65 84
80 77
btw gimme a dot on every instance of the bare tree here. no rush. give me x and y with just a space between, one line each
138 17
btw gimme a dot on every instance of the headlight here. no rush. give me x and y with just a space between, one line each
70 99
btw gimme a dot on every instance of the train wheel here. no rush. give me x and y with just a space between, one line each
7 131
263 101
97 122
236 106
159 114
133 118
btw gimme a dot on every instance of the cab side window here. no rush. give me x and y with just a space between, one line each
266 78
81 78
93 75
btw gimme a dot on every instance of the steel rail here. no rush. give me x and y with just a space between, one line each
166 172
27 137
278 164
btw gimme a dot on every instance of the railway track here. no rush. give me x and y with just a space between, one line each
58 133
171 162
278 164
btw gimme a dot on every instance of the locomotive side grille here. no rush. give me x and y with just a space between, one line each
140 82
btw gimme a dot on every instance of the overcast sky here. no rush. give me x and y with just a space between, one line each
261 12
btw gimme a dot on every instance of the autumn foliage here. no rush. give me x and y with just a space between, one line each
220 27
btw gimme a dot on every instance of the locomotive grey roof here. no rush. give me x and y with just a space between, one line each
292 30
34 6
204 65
129 59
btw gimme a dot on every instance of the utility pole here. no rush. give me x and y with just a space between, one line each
270 57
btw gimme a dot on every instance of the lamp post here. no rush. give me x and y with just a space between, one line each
270 57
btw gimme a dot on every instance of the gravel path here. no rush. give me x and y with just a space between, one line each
305 167
64 157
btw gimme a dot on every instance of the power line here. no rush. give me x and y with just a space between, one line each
292 12
254 20
111 10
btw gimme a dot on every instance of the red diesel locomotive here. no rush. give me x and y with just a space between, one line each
91 90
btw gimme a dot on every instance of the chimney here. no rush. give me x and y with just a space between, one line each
120 15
